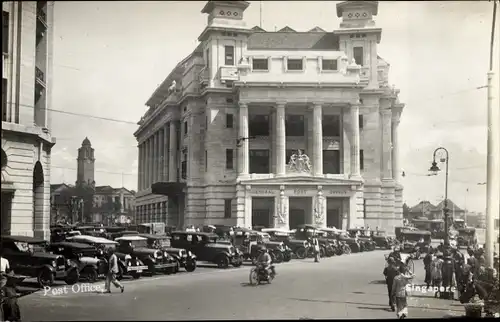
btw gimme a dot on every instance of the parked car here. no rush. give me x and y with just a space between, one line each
364 237
206 248
127 265
381 239
28 256
183 257
298 247
415 242
247 241
340 247
84 256
466 237
156 260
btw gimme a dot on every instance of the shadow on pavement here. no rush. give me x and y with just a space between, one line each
246 284
374 308
378 282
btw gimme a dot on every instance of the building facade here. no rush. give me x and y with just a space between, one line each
27 31
85 201
274 129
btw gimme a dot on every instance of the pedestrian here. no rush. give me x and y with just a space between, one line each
315 244
448 275
436 272
112 271
399 291
390 272
427 267
4 270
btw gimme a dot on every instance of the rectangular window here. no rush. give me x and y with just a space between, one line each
361 160
260 64
185 128
229 159
229 121
4 99
358 55
258 125
5 32
207 57
259 161
227 208
331 125
206 160
294 64
329 64
229 55
361 122
331 161
294 125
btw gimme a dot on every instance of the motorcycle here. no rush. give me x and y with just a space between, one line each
259 274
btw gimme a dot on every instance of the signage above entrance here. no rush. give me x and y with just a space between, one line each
336 193
264 191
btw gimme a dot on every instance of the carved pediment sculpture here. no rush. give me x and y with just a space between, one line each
172 87
299 162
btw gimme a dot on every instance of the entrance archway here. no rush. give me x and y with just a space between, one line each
38 200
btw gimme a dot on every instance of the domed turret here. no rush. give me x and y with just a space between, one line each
86 142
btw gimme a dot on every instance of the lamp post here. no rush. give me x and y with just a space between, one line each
434 169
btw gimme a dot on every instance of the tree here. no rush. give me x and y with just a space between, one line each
406 211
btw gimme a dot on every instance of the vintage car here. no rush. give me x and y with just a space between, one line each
29 256
303 232
297 247
156 260
183 257
206 248
340 247
127 265
364 237
224 231
84 256
400 229
91 231
415 242
248 240
466 237
354 245
381 239
59 233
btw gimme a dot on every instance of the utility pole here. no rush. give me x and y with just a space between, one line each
492 181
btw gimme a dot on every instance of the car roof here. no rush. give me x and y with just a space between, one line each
276 230
24 239
92 239
152 236
199 233
71 245
416 232
328 229
130 238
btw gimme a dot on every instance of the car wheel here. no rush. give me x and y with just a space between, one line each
45 278
301 253
322 252
73 277
278 256
347 250
135 275
223 262
254 277
151 269
287 257
190 266
89 274
410 265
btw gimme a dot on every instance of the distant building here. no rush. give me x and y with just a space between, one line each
107 204
428 210
27 31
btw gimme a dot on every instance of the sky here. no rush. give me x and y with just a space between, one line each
110 56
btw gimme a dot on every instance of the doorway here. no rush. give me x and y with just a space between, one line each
300 211
6 212
334 212
262 211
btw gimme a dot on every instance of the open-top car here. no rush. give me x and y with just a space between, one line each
156 260
354 245
206 248
298 247
340 247
303 232
466 237
84 256
381 239
415 242
183 257
29 256
400 229
248 241
364 237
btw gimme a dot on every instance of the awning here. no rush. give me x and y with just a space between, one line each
171 189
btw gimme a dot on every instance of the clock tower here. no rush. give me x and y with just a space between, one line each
85 168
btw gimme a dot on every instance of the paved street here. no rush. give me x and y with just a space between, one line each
338 287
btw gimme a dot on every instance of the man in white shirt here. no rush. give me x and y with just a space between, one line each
5 268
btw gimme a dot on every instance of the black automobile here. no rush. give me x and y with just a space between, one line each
247 241
28 256
364 237
156 260
382 240
84 256
206 248
293 245
184 257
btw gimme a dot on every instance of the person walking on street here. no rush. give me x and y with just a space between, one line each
5 269
427 266
390 272
436 272
113 270
399 291
448 275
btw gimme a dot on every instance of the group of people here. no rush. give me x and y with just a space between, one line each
397 277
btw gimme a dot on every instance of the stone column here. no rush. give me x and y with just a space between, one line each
386 144
165 153
317 139
355 164
396 172
243 150
280 139
139 169
156 156
147 161
161 156
172 161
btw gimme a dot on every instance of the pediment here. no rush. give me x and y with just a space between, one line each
303 180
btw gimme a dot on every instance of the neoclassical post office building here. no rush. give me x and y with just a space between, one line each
274 129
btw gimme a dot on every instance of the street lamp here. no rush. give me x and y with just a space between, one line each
434 169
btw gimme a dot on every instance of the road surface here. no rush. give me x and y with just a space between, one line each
339 287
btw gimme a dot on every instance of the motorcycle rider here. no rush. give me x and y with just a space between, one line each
264 260
396 254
